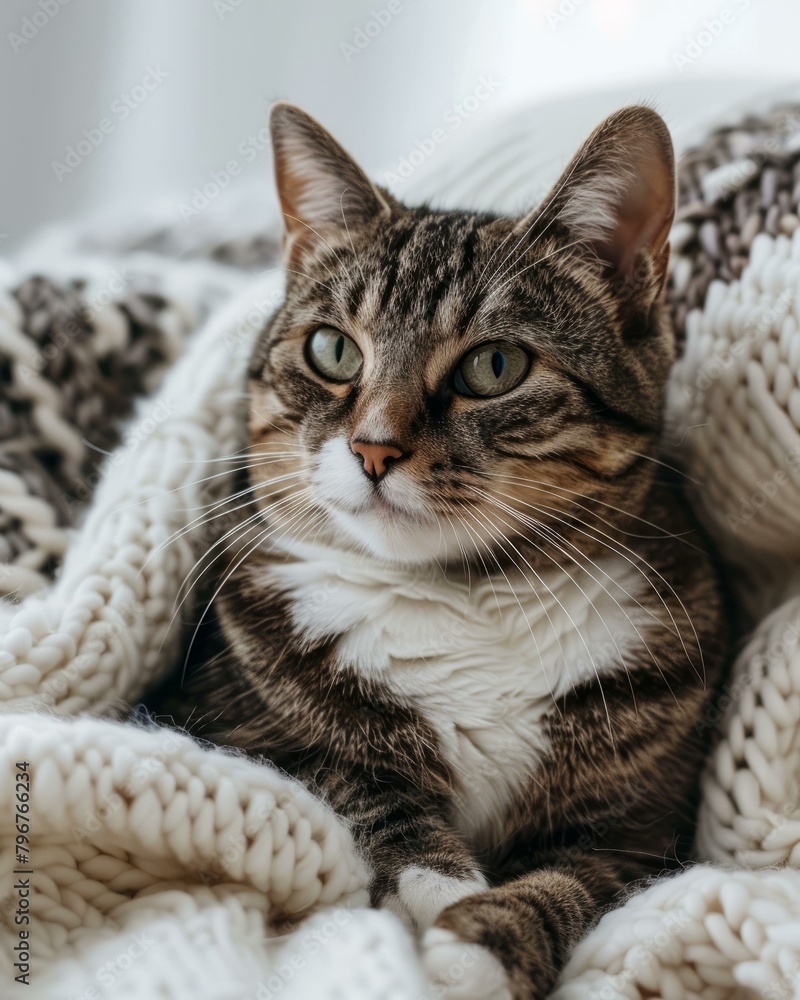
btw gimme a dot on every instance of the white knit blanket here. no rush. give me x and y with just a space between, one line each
165 869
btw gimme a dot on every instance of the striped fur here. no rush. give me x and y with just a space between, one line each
492 660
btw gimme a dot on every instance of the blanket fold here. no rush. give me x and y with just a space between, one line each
167 869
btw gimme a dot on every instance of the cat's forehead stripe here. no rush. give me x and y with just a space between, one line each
425 269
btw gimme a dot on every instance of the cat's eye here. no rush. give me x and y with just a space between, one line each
491 369
333 354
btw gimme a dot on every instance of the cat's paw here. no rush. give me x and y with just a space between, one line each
461 970
422 894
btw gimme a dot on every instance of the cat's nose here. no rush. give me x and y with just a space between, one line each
376 457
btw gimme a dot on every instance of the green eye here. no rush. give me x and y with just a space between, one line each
491 369
333 354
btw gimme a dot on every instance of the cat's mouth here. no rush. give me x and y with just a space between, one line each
393 519
386 530
376 504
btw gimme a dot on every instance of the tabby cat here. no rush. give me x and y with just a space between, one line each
474 612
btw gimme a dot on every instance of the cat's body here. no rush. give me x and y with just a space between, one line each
469 607
481 660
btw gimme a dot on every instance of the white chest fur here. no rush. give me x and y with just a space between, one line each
481 661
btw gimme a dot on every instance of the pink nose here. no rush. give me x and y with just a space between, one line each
376 457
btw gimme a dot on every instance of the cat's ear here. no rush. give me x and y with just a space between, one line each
617 196
321 188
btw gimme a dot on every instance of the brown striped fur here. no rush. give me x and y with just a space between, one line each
557 472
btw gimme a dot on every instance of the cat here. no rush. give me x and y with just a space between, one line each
470 607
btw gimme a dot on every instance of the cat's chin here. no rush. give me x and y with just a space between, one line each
395 536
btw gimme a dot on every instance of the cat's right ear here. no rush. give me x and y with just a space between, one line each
616 198
321 188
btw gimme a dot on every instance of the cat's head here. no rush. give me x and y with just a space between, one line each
437 382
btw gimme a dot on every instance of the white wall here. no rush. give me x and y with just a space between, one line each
226 61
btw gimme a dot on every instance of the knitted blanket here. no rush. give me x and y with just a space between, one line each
135 862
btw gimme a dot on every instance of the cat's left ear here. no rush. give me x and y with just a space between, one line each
321 188
617 196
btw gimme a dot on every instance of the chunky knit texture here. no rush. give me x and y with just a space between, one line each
744 179
166 869
73 368
735 404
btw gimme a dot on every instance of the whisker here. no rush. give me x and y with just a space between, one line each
205 479
540 260
202 519
97 448
564 181
290 433
239 531
537 483
479 545
569 618
634 559
541 604
260 538
541 529
539 526
238 456
666 465
352 247
464 559
259 513
303 274
319 237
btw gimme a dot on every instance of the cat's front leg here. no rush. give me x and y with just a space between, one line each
511 942
419 864
420 870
